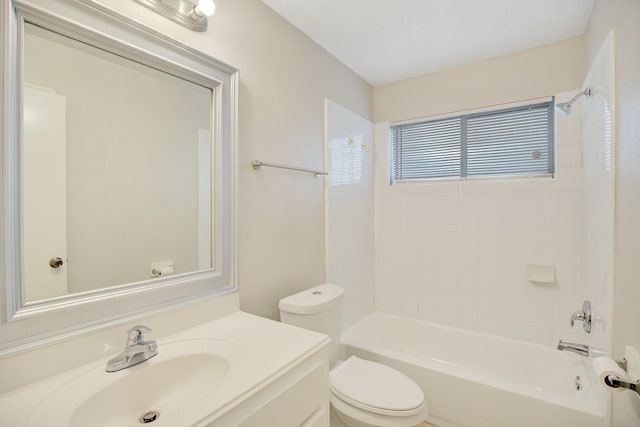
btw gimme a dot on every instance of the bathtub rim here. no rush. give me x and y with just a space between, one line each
587 405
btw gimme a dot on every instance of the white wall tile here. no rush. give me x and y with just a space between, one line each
488 303
350 225
513 308
490 324
490 243
569 156
569 179
539 310
513 329
447 211
599 130
465 245
446 313
539 333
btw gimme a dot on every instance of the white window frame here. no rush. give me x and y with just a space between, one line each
461 163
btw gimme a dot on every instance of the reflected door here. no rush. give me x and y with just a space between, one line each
45 188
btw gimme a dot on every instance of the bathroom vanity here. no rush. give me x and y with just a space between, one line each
238 370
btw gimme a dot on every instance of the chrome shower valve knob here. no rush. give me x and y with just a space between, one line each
583 316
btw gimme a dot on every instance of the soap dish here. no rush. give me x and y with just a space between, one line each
541 273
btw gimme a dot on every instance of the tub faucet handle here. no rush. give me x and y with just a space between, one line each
578 315
583 316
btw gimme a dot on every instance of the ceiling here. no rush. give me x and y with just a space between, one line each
386 41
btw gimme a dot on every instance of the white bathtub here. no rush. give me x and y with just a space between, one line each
478 380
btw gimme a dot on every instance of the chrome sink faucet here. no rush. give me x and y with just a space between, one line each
136 350
581 349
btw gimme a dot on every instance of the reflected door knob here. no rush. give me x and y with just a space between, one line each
56 262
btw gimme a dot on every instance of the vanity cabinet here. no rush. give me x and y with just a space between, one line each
297 398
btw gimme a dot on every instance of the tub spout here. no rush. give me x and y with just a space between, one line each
581 349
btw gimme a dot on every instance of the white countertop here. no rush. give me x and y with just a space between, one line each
269 349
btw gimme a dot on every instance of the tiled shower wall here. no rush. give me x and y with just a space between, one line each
349 209
455 252
599 162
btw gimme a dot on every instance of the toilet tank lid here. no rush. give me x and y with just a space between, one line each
314 300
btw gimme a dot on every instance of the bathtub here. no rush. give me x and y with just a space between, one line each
478 380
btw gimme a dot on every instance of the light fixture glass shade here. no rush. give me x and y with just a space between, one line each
205 8
184 12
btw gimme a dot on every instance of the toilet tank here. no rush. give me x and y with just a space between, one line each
317 309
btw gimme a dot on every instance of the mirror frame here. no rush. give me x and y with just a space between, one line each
26 325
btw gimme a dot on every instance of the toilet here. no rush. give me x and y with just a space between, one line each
363 393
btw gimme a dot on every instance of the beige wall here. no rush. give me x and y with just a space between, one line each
284 78
624 17
533 73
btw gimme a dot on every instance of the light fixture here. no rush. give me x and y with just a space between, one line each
204 8
184 12
564 108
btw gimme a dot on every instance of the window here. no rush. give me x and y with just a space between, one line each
515 141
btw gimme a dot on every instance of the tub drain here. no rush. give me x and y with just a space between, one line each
149 417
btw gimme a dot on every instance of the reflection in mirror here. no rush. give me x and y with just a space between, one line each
116 171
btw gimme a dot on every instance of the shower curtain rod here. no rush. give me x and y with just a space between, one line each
257 164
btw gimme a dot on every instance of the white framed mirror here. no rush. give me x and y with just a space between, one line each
118 173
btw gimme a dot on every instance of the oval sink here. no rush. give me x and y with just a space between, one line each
181 375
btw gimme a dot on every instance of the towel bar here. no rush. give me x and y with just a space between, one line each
257 164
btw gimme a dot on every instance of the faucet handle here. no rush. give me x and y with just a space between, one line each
136 334
585 316
578 315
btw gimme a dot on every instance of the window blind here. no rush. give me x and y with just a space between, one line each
507 142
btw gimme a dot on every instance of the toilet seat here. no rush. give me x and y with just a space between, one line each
376 388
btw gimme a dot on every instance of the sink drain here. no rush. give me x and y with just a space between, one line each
149 417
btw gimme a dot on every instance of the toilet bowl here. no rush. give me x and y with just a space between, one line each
362 392
366 393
